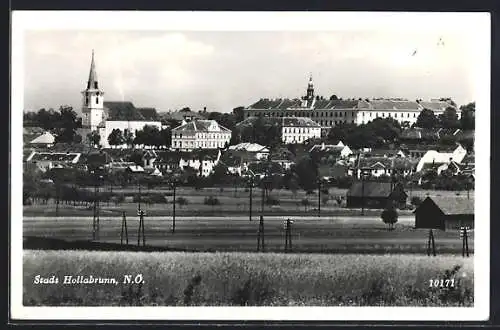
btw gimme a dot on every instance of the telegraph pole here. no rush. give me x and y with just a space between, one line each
260 235
124 228
173 209
251 197
288 234
140 233
319 197
95 223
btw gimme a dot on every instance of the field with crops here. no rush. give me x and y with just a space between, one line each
247 279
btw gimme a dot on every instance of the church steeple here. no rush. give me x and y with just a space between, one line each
93 100
92 82
310 88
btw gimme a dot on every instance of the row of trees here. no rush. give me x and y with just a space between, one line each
148 136
63 123
449 118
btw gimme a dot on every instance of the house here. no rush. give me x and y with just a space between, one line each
299 129
383 153
45 140
373 166
30 133
260 151
340 151
48 160
135 169
97 160
445 213
168 161
284 157
376 195
237 161
204 134
336 170
149 157
435 157
202 160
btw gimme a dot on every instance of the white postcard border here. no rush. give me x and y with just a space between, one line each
253 21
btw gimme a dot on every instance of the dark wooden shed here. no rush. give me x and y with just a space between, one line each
375 195
445 213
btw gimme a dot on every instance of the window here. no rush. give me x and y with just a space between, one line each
414 115
370 114
376 115
345 114
340 114
408 115
383 114
363 114
336 114
87 100
95 84
96 100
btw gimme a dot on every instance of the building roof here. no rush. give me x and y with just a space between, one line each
181 115
92 81
202 126
126 111
45 138
370 189
284 104
249 147
298 122
435 105
70 157
453 205
197 154
149 114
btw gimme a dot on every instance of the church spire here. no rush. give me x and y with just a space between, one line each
92 82
310 88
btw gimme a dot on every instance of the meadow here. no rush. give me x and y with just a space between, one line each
339 234
233 201
248 279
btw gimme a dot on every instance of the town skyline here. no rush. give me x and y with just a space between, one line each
224 70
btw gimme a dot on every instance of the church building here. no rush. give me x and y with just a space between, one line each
103 117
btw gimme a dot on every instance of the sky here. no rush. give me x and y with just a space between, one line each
220 70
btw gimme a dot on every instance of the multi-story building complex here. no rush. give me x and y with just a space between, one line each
204 134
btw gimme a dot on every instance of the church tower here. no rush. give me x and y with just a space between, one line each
93 99
310 89
308 100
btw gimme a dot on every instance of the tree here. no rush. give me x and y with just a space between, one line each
94 138
333 97
128 137
427 119
166 137
305 202
306 172
390 216
115 137
449 118
468 116
182 201
238 114
148 136
67 125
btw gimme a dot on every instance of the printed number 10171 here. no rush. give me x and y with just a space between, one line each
450 283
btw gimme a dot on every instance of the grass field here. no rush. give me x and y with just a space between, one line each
233 202
269 279
309 234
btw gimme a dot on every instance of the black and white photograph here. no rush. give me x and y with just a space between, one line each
288 165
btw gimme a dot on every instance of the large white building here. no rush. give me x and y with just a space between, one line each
330 112
104 117
298 129
204 134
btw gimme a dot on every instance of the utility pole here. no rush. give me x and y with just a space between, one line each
250 197
260 235
124 229
140 233
173 208
95 223
362 194
140 194
319 197
288 234
57 198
